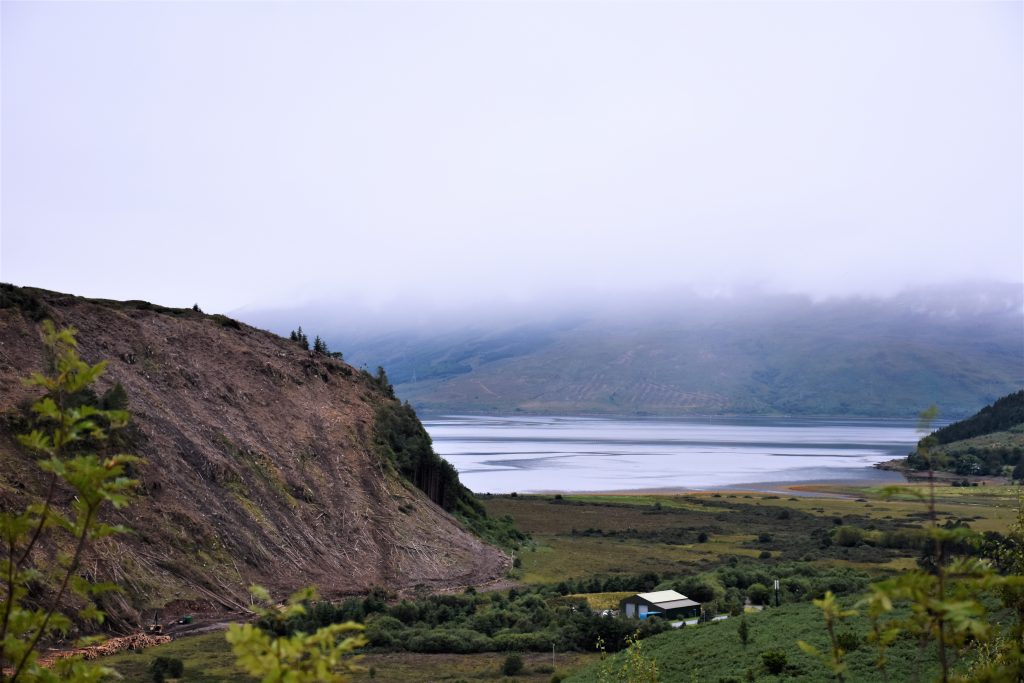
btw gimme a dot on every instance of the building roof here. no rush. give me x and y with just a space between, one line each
676 604
659 597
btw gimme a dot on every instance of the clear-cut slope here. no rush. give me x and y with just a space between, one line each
260 461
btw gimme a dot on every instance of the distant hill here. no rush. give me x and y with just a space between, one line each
1004 414
987 443
263 462
958 348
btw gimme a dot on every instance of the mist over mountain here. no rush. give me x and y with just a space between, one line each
958 346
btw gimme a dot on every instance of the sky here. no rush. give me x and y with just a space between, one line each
247 154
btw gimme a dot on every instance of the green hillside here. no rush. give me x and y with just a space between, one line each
988 443
1004 414
776 356
714 651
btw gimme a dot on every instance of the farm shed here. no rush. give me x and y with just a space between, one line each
665 604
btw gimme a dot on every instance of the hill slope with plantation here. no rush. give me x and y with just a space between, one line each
771 355
263 462
990 442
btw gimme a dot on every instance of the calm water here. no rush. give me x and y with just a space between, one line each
532 454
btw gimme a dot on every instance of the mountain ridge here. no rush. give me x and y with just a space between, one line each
958 348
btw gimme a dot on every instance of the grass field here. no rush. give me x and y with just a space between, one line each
401 667
576 537
601 601
208 659
580 536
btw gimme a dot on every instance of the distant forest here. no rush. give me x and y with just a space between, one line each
1005 413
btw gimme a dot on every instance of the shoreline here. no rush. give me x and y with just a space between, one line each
830 488
807 489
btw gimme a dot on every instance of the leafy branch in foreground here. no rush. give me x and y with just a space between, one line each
70 439
325 655
941 602
834 614
636 667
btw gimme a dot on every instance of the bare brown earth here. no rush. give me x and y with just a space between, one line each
259 465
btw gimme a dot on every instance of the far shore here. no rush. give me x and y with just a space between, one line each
832 488
808 489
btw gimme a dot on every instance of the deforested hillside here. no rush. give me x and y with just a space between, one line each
263 462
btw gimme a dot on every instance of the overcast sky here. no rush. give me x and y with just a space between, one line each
249 154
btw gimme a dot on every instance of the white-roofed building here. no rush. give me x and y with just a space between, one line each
664 604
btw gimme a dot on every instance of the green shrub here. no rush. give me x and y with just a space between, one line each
774 661
704 588
406 612
225 321
849 536
513 665
848 640
384 631
163 668
457 640
17 297
758 594
523 642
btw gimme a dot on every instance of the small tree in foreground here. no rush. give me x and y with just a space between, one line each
634 667
325 656
834 614
941 599
70 437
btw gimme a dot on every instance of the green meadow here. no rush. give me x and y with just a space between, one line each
583 541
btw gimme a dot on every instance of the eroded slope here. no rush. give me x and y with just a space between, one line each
260 462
